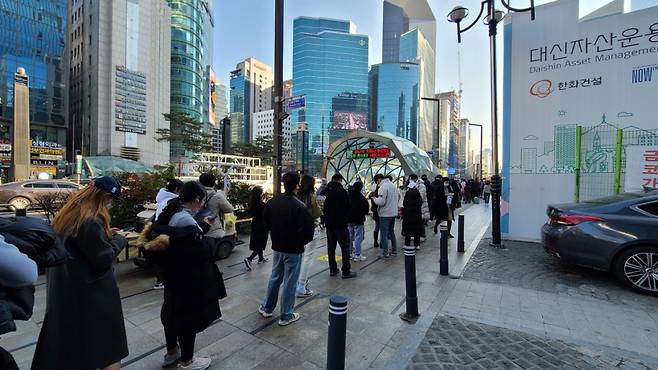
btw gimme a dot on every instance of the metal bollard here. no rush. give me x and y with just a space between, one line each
410 279
460 235
443 259
337 332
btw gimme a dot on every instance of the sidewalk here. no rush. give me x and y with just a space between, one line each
242 339
520 308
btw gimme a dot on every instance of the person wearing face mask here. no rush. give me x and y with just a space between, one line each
83 327
192 281
336 212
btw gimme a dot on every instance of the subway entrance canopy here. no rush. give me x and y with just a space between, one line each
362 154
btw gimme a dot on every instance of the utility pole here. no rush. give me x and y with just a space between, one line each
279 115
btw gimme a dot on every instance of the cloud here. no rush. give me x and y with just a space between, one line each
531 137
624 114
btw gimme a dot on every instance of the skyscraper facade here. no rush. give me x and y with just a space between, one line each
251 92
449 108
409 35
221 112
192 27
329 59
119 81
33 37
394 98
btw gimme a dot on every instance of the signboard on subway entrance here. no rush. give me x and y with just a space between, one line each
371 153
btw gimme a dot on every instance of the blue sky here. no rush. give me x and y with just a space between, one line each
244 28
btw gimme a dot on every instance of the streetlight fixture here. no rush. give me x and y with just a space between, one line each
492 18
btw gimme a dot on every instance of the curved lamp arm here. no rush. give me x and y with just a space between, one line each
531 8
476 18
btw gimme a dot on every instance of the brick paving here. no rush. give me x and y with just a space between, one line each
462 344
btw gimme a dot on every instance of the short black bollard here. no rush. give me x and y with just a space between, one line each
410 279
460 235
443 252
21 212
337 332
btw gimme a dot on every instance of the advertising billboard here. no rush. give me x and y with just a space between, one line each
212 95
578 94
350 120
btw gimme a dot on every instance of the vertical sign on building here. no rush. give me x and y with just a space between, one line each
21 129
212 95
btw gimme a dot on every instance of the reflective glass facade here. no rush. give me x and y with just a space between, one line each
191 54
328 60
394 94
33 37
240 96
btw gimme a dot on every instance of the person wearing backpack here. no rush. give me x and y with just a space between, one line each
215 203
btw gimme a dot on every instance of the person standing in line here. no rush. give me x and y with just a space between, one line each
374 208
412 218
356 219
165 194
336 209
487 191
454 202
387 202
291 228
217 204
17 272
440 207
192 280
425 208
307 195
83 328
259 233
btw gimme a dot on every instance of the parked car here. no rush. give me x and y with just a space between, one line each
22 194
618 234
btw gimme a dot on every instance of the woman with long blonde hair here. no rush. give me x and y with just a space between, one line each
83 328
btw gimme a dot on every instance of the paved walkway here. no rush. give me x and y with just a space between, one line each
242 339
520 308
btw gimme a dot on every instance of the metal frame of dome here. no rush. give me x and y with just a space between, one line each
338 159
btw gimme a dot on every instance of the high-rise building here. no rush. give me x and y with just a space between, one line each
264 128
251 92
394 99
221 112
464 160
192 27
329 59
119 81
409 35
33 37
450 102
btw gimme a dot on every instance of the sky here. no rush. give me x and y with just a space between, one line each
245 28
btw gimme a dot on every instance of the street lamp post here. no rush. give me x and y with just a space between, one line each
481 143
493 17
279 114
438 128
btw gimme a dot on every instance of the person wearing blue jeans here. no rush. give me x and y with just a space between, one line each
356 218
291 227
387 206
285 269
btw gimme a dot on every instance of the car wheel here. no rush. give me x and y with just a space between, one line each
224 250
637 268
19 203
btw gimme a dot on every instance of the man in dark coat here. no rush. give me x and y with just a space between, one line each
440 209
291 228
336 207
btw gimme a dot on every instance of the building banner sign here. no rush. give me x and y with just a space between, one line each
641 168
579 109
212 95
130 101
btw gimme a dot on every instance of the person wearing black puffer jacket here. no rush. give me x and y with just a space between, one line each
412 219
356 219
336 205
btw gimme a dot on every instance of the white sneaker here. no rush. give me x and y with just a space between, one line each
295 317
361 258
171 359
303 291
198 363
264 313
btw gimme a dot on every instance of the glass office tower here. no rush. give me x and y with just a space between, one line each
394 94
191 53
34 37
239 97
329 59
